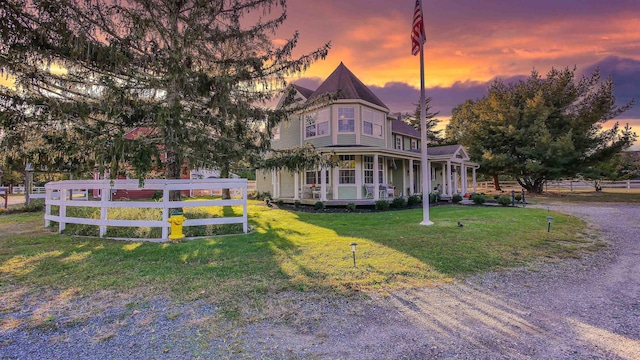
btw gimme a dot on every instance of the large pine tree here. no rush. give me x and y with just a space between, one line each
542 129
191 75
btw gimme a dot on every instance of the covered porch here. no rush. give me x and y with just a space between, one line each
366 176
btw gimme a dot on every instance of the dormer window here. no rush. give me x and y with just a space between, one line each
316 124
346 120
372 123
398 142
414 144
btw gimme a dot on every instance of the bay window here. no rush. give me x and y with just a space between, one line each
372 123
346 119
316 124
347 169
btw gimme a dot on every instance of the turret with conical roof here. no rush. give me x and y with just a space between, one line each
347 86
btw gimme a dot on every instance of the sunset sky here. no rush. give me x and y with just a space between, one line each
469 43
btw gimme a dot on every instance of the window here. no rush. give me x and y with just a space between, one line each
372 123
347 169
414 144
398 142
313 178
346 119
380 172
316 124
367 165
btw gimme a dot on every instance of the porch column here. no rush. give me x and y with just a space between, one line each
411 184
429 185
404 178
296 185
465 180
449 179
274 179
323 184
443 183
376 181
455 179
473 171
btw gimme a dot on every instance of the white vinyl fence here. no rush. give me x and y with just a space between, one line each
567 185
60 194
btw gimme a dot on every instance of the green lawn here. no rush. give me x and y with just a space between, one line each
289 251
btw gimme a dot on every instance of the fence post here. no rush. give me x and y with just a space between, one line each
245 210
628 185
63 209
165 212
105 198
47 205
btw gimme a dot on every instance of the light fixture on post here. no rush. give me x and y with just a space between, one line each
549 221
353 251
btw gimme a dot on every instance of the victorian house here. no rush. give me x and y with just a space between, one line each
378 155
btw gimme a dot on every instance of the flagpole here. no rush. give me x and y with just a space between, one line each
423 135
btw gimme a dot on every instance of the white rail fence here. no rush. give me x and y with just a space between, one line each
38 192
568 185
61 194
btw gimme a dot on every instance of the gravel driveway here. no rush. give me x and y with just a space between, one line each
585 308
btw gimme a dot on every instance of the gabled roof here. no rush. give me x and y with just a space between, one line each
348 87
447 150
401 127
304 91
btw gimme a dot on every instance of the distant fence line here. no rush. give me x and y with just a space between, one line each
567 185
38 192
60 194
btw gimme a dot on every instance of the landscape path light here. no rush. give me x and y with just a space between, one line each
549 221
353 251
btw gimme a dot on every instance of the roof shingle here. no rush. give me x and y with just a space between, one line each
348 87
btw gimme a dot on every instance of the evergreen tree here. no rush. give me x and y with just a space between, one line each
433 136
543 128
190 75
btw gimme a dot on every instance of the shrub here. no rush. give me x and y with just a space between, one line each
413 200
318 205
398 203
456 198
382 205
36 205
504 200
259 195
434 198
495 197
478 199
518 197
279 203
157 195
351 207
296 204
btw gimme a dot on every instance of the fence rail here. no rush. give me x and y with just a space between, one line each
570 185
61 194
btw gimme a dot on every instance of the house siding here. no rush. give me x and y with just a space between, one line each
320 142
264 181
346 139
287 183
397 179
347 192
289 134
370 141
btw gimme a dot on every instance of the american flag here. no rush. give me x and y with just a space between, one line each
417 34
